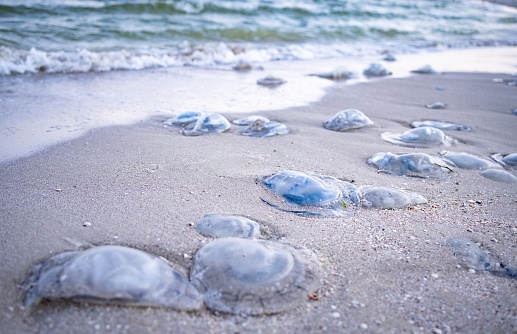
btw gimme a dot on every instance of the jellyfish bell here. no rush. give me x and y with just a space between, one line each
310 194
249 120
410 164
207 123
110 275
185 118
466 160
218 226
388 197
253 277
347 119
419 137
442 125
264 129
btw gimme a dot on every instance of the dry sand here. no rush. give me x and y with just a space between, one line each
385 271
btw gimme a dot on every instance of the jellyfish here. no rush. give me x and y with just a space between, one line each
208 123
469 254
340 73
347 120
419 137
310 194
388 198
185 118
498 175
220 226
249 120
508 161
467 160
442 125
111 275
435 105
427 69
376 70
264 129
409 164
389 57
321 195
253 277
271 81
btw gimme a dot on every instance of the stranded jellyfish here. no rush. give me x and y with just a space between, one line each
311 194
409 164
419 137
220 226
469 254
346 120
467 161
427 69
498 175
249 120
198 123
376 70
340 73
208 123
435 105
271 81
509 161
252 277
320 195
442 125
111 274
262 129
185 118
389 57
388 198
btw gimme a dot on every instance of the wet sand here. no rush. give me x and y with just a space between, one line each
384 271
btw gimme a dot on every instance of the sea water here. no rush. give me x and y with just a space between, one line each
70 66
103 35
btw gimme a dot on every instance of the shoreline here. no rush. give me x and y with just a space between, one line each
38 113
383 270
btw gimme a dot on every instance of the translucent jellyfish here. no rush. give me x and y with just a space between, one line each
311 194
113 275
499 175
388 198
271 81
410 164
242 66
376 70
442 125
427 69
220 226
184 118
435 105
467 160
264 129
514 111
346 120
509 161
419 137
253 277
208 123
469 254
340 73
249 120
389 57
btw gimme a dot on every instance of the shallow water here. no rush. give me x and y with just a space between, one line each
103 35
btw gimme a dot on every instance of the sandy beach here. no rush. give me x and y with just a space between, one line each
383 271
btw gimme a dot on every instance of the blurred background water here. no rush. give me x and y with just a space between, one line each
102 35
